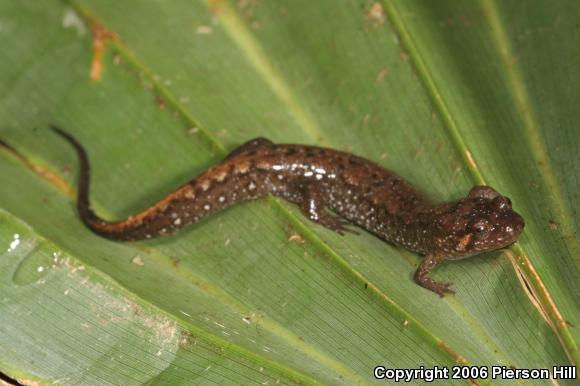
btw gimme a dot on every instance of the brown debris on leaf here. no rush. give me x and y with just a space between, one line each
376 14
101 36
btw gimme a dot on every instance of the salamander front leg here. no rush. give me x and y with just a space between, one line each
421 278
314 206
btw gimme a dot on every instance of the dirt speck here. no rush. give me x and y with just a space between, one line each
175 261
553 225
160 102
204 30
192 130
382 74
376 14
186 339
296 238
404 56
419 152
465 21
71 19
138 260
136 308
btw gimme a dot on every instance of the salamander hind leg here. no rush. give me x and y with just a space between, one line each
251 144
421 278
314 206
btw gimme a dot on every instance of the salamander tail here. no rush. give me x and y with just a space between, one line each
87 215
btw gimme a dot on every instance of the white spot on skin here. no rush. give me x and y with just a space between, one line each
277 167
280 177
263 165
252 186
205 185
308 174
242 167
177 221
207 207
221 199
220 176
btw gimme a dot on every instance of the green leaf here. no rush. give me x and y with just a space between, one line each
448 96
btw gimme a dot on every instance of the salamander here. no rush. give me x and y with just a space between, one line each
320 180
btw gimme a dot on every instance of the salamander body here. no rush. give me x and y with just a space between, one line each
318 179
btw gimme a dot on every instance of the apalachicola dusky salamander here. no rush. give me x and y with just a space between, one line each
318 179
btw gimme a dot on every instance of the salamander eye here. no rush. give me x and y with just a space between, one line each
502 203
481 228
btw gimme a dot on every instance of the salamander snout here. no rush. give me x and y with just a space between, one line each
515 226
483 221
509 223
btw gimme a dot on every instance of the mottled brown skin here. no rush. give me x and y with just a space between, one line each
318 179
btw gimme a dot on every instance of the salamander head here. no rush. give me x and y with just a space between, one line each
483 221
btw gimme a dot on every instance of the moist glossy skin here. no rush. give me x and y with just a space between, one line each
318 180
